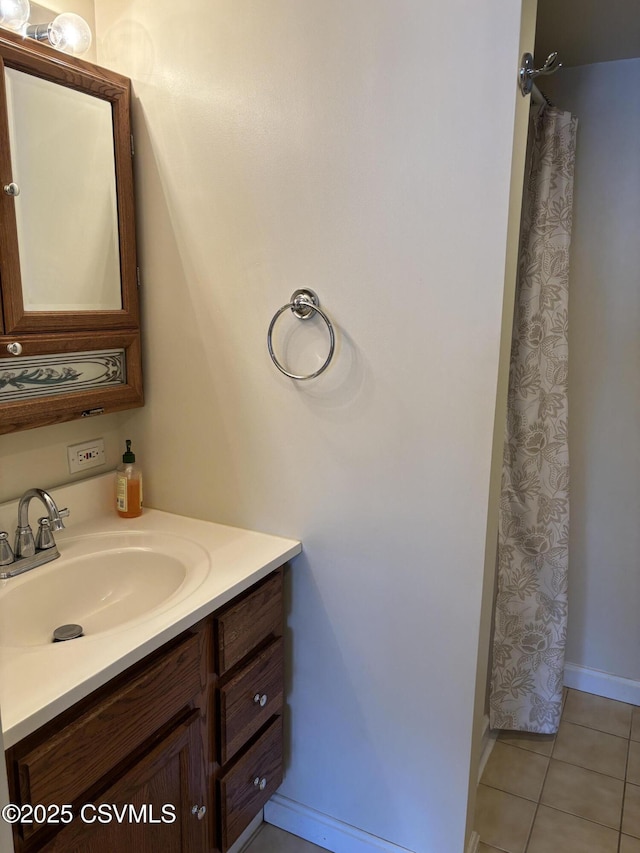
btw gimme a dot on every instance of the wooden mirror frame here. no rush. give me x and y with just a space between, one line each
42 61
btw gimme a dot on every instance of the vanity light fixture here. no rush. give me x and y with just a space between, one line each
14 14
68 32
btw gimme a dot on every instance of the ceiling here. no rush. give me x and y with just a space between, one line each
586 31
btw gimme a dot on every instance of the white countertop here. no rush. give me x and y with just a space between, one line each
38 682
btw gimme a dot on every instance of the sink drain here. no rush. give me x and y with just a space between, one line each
67 632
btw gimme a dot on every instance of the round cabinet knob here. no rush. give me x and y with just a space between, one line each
199 811
12 189
263 783
15 348
260 699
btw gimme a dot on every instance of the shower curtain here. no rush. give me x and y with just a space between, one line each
533 532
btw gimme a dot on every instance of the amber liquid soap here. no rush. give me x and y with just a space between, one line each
128 486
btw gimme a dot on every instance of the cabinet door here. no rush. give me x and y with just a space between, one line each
250 783
250 698
54 380
247 623
67 230
163 796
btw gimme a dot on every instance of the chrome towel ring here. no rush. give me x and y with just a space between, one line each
303 303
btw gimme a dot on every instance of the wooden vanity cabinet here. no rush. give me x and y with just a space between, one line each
188 743
249 696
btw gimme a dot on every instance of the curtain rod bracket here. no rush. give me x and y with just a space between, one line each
528 73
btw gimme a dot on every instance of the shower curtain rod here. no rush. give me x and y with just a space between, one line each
538 98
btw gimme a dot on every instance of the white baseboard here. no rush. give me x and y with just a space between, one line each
489 738
602 683
325 831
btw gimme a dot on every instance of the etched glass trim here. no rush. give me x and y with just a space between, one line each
45 375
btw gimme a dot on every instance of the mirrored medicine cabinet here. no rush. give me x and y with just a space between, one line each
69 320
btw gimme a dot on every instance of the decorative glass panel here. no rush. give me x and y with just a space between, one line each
44 375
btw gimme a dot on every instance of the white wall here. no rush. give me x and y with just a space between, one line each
481 716
604 380
344 146
85 8
38 457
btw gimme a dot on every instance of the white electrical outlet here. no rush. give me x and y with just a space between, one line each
89 454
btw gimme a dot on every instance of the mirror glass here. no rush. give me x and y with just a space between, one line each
62 158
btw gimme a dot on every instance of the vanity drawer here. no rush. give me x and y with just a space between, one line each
250 698
243 626
250 783
77 755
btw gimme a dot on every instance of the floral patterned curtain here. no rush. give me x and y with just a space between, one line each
533 535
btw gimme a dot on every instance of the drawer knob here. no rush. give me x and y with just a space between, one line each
260 699
260 783
200 811
15 348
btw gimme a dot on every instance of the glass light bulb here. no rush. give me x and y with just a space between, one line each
70 33
14 14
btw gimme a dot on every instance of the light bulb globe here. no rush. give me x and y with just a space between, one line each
14 14
70 33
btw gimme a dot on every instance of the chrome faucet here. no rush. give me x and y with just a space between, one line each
29 552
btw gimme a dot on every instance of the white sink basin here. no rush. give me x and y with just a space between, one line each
101 582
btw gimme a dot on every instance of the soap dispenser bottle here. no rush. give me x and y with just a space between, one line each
128 486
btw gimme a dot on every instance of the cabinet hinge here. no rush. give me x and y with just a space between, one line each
138 279
133 147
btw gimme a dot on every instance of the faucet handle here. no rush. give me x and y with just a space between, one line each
58 524
24 545
6 552
44 538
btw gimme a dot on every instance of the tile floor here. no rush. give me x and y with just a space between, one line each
574 792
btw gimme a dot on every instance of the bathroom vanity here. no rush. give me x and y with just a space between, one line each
163 732
194 729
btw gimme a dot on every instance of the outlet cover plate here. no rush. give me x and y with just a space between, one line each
88 454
